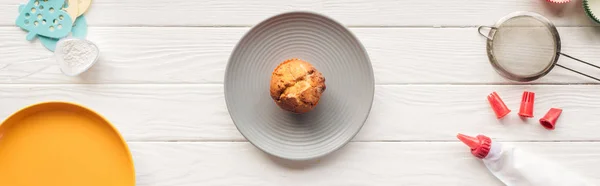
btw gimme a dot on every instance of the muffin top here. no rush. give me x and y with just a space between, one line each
296 86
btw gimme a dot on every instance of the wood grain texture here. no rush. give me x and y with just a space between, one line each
159 81
199 55
399 113
349 12
382 164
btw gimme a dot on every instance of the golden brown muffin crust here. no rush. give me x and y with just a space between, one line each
296 86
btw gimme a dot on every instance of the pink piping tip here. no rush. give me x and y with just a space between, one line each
526 109
500 109
549 120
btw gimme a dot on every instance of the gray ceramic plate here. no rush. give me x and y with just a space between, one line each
334 51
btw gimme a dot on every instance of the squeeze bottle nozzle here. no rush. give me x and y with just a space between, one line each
469 140
480 145
515 167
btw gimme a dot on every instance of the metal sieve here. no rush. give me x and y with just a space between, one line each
525 46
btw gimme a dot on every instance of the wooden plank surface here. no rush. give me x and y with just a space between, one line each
373 163
349 12
400 112
199 55
160 75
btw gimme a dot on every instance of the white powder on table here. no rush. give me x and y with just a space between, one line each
76 54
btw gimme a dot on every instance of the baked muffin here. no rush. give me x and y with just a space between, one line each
296 86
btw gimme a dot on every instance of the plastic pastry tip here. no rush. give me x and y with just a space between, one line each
558 1
480 145
468 140
549 120
498 105
526 109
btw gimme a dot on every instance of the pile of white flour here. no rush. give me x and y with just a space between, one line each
76 55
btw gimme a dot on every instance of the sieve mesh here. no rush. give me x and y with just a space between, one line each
524 47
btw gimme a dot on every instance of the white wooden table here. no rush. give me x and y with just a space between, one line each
160 81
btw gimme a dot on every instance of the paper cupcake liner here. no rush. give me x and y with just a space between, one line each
589 12
558 1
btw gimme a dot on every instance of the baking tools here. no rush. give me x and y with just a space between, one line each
549 120
72 8
58 143
342 109
500 109
514 166
79 31
45 18
592 9
525 46
79 26
83 6
526 109
75 56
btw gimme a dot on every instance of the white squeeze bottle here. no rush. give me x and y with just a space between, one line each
515 167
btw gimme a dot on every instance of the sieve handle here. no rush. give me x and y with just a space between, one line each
489 28
579 60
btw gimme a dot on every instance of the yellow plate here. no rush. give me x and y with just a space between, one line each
62 144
